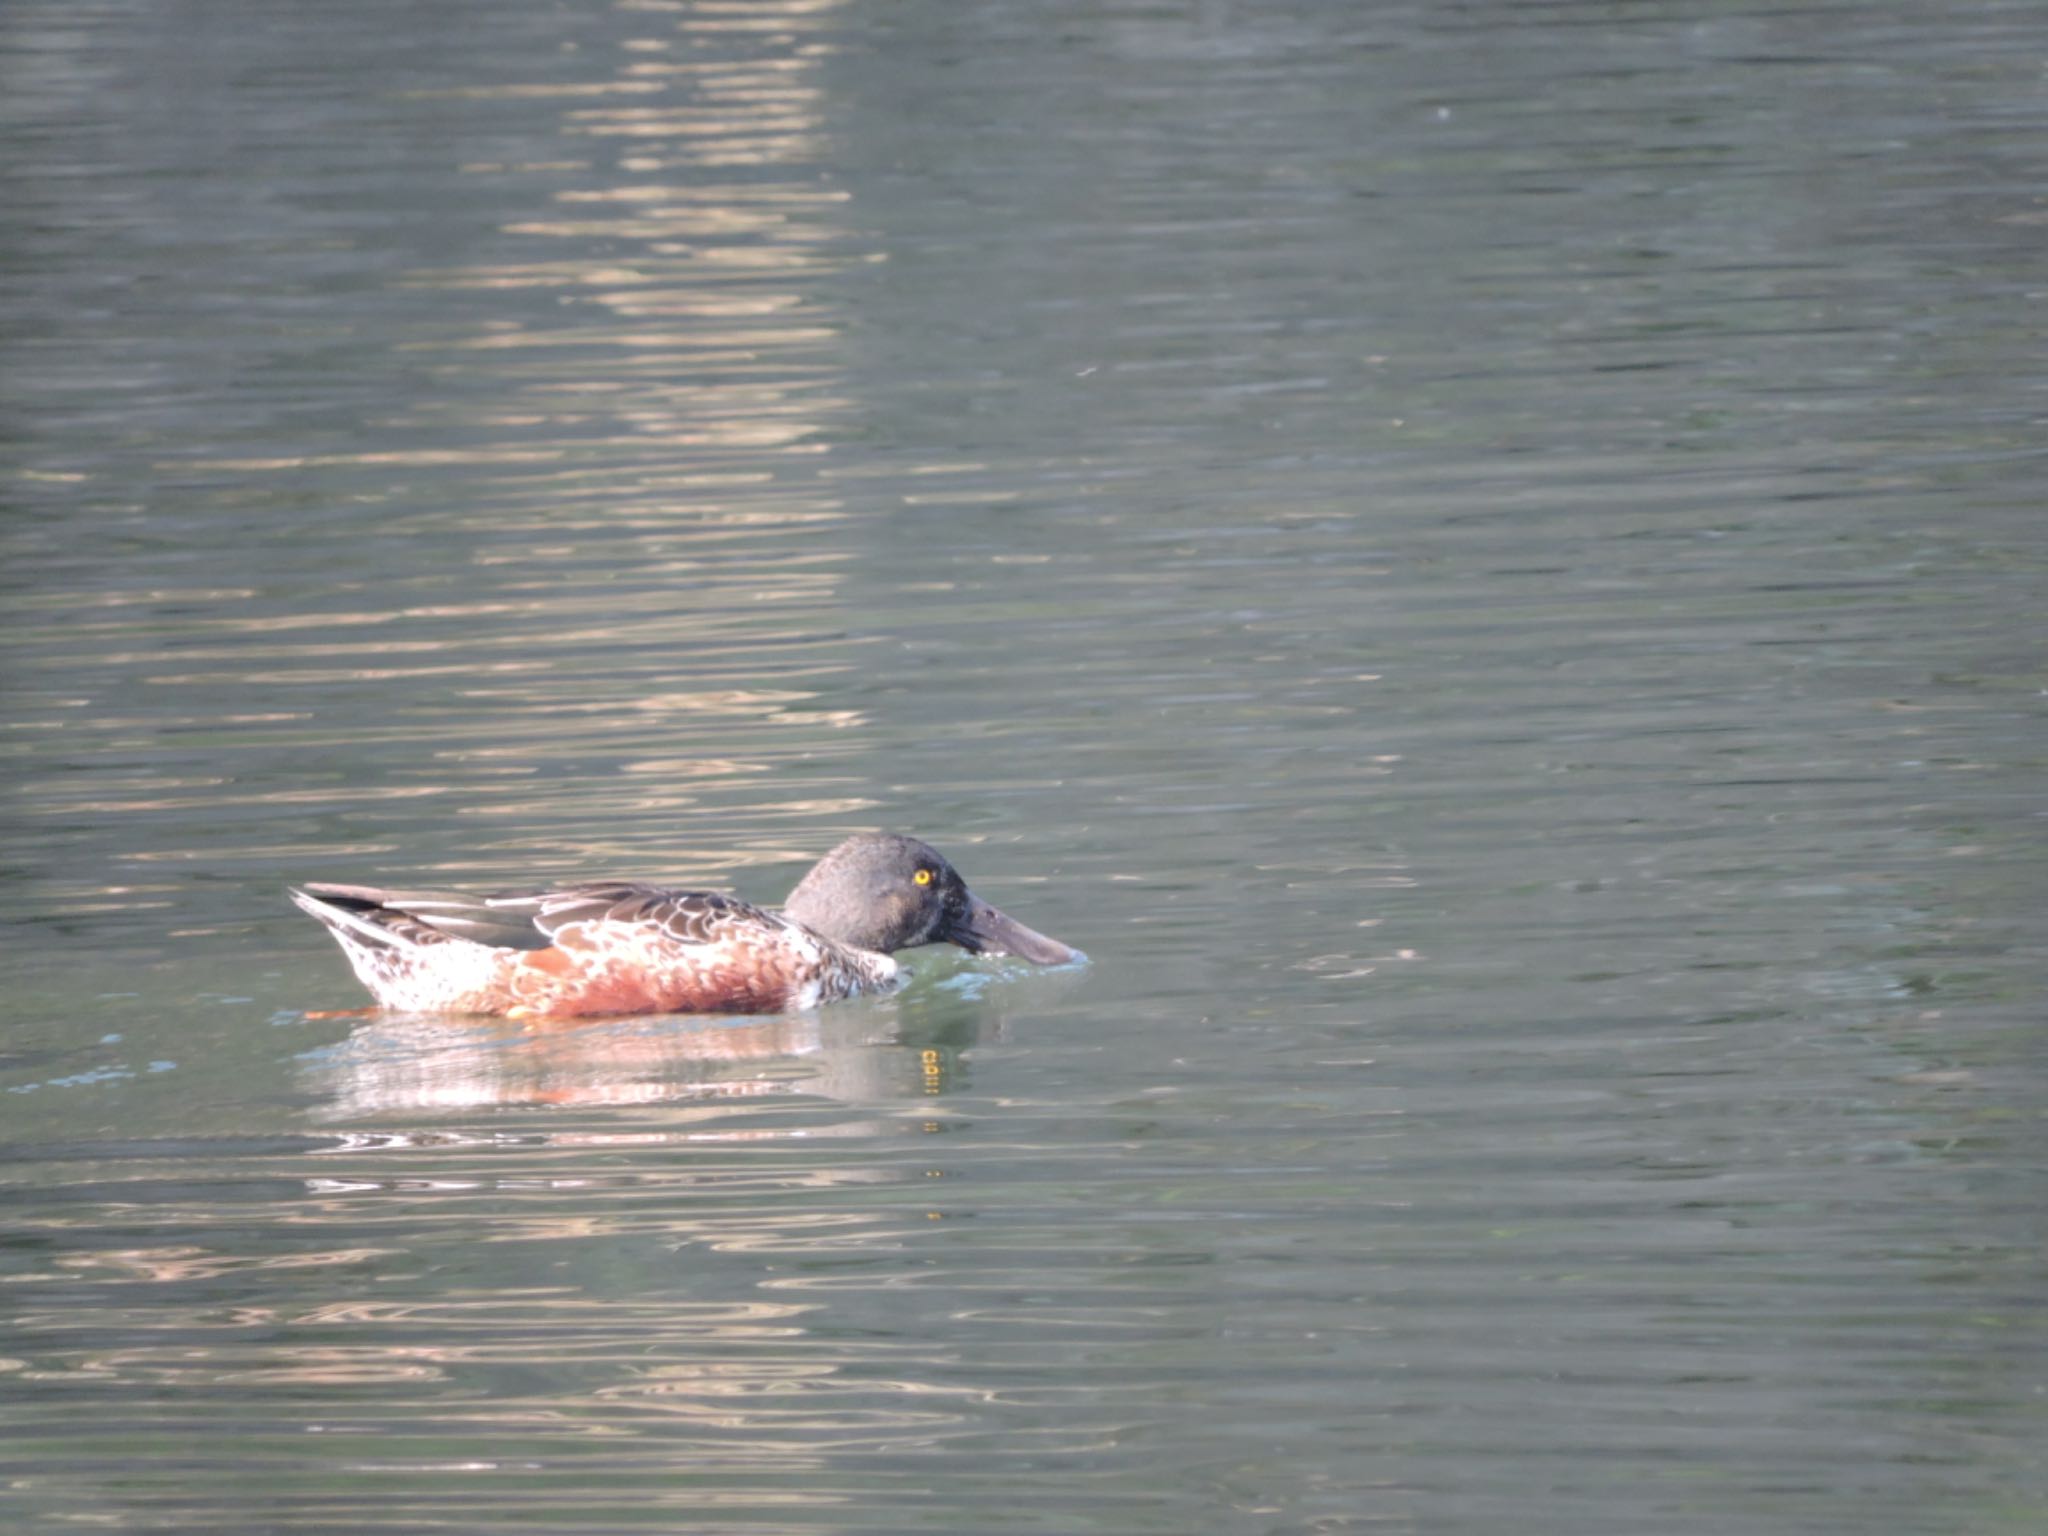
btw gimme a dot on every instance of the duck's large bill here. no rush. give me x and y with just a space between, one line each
981 929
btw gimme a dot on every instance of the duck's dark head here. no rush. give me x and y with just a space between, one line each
882 892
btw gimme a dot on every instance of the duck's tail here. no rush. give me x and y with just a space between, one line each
407 950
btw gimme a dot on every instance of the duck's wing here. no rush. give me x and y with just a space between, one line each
687 917
418 917
620 910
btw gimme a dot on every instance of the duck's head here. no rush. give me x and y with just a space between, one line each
882 892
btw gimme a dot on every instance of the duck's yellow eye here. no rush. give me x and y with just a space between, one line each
923 877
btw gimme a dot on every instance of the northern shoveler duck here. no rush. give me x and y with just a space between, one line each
612 947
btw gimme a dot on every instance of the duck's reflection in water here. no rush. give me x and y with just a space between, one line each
881 1051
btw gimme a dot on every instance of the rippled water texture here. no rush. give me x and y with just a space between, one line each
1485 561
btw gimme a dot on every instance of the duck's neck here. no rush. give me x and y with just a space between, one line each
824 909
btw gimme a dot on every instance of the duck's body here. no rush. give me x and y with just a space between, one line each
587 949
620 948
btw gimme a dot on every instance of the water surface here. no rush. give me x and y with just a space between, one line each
1483 561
